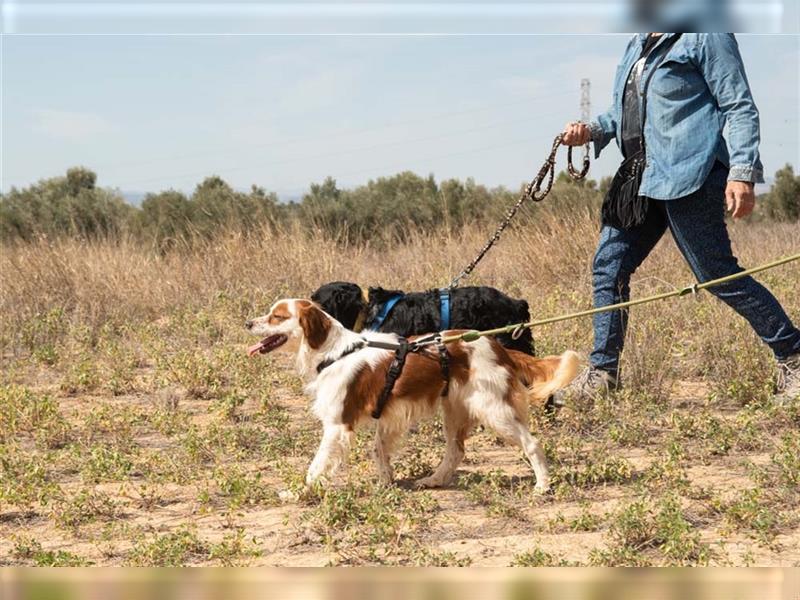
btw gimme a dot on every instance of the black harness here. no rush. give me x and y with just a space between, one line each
401 350
329 361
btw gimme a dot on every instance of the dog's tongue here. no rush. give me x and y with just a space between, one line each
255 348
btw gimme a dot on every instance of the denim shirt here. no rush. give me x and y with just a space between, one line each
697 89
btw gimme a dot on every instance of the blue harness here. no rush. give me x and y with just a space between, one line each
384 312
444 310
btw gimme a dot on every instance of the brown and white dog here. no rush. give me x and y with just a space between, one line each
485 387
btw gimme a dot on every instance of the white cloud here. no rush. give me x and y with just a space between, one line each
70 125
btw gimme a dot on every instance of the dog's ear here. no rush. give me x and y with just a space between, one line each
314 322
342 300
349 303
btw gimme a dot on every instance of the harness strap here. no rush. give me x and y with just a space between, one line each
398 363
384 312
395 369
444 308
401 349
329 361
444 364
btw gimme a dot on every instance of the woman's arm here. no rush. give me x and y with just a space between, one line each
603 129
600 131
719 61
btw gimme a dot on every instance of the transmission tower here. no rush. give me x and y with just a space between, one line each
586 103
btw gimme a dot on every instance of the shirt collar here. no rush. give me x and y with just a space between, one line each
643 37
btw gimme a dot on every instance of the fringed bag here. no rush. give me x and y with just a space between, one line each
623 207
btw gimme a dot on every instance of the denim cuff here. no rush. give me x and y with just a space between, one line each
745 173
597 134
596 131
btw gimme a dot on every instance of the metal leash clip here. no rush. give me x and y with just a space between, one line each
518 331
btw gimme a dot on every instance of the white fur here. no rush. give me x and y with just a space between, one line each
482 399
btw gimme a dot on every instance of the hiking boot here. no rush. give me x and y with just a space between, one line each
589 384
787 387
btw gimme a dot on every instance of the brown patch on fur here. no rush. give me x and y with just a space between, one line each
534 369
421 381
516 395
362 394
314 322
279 313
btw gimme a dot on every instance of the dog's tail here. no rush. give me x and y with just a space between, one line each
545 376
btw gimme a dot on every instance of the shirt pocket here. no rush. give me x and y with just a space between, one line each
674 77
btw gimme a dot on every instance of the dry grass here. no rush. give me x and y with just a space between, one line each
133 430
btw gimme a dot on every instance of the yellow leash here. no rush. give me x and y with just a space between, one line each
471 336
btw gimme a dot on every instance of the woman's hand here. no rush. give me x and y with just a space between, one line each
740 198
576 134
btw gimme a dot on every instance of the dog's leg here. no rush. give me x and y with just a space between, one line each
386 436
507 422
533 450
456 430
332 451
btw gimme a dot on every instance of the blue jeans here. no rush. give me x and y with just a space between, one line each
697 223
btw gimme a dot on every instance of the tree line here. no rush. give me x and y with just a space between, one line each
73 205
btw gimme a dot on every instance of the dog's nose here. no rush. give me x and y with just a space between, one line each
248 324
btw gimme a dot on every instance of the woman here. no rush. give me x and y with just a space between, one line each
694 85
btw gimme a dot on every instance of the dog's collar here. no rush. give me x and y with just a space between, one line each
349 350
362 314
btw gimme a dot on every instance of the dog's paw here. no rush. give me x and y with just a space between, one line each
288 496
541 489
426 483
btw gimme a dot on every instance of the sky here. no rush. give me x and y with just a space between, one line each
153 112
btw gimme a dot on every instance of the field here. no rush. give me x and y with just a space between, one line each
134 430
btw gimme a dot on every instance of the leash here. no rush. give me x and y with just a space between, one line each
471 336
533 191
403 347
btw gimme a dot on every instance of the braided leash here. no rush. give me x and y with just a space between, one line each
532 192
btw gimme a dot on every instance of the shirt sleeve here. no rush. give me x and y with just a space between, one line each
603 130
722 67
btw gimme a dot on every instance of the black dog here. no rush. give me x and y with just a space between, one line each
416 313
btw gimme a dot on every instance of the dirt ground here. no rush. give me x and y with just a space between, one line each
134 430
488 517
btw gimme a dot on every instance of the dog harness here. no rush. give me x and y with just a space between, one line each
444 308
399 361
401 349
383 313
